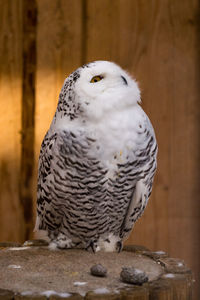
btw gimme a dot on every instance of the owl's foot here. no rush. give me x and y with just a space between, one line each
93 246
61 242
119 246
110 243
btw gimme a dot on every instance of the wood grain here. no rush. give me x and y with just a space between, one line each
29 22
102 30
11 218
59 52
160 286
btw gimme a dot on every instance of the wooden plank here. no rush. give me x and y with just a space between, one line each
29 22
102 30
161 290
59 49
11 217
185 158
59 53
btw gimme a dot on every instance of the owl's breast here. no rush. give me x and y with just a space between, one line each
119 136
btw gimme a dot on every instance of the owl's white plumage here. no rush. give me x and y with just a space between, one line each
97 160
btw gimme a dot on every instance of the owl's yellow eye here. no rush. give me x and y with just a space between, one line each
96 78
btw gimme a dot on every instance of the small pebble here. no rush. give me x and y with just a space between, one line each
98 270
133 276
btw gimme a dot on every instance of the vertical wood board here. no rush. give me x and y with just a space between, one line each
29 63
59 52
11 219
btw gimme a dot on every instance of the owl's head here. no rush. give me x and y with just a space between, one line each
96 89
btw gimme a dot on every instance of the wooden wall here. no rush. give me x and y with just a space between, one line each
157 42
11 211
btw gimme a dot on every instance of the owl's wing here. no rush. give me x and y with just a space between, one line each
135 208
147 164
46 214
69 177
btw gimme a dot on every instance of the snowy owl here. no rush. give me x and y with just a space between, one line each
97 161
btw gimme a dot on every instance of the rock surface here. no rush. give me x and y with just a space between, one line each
38 269
98 270
32 271
133 276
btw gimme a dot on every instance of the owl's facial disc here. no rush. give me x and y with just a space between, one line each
103 87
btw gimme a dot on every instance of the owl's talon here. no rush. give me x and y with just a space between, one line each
119 246
92 245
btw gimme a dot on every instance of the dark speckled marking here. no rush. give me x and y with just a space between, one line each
124 80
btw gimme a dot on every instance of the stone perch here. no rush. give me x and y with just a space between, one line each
32 271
